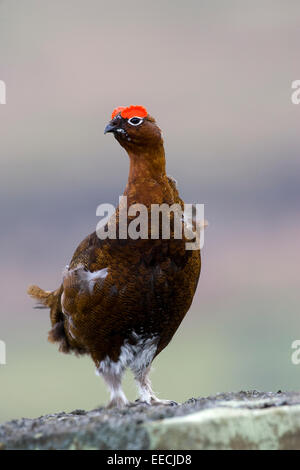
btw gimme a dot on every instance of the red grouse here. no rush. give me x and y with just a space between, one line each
121 300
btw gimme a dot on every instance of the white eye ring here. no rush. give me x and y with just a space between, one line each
136 123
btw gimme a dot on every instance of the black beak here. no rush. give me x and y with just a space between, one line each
110 128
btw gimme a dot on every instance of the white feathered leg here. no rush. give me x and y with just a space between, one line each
114 381
145 389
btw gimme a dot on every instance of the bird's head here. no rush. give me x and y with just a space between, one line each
134 129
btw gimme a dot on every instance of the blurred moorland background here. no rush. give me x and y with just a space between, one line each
217 77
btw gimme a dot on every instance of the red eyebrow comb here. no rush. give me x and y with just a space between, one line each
117 111
130 112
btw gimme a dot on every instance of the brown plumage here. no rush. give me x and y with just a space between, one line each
122 300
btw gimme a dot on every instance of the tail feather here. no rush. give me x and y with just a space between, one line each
52 300
45 298
48 299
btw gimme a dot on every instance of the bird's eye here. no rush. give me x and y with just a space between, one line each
135 121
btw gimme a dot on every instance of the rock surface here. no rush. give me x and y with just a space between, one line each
244 420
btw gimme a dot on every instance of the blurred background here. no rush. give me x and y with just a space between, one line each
217 76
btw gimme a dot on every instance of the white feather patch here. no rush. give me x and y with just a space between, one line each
84 279
136 356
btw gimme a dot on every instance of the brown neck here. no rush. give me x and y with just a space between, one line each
147 164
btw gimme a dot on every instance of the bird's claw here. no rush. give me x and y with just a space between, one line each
155 402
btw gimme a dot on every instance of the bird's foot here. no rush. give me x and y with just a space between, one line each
154 401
